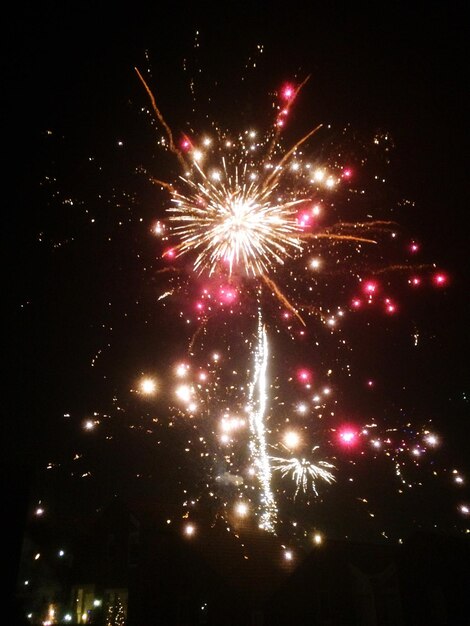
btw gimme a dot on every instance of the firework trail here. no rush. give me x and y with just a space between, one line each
258 397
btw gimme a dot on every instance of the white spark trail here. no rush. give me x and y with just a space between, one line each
258 447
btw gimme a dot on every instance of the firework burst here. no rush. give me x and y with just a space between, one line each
244 207
248 215
303 472
233 222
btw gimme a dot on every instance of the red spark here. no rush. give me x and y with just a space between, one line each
348 436
169 253
227 295
287 92
370 287
304 375
390 307
186 143
304 219
415 281
440 279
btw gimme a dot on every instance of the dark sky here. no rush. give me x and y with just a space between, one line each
68 67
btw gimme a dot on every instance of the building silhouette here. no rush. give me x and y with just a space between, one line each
125 565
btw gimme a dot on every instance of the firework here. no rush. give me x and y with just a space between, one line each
241 385
245 207
244 211
233 222
304 472
270 253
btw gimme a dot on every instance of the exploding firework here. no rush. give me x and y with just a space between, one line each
235 223
244 207
248 214
271 252
304 472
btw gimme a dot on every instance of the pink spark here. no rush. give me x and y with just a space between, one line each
414 247
348 436
287 92
370 287
415 281
304 375
304 219
347 172
439 279
185 143
390 307
227 295
169 253
356 303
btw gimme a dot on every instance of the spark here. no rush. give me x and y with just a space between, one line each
304 376
440 279
159 228
162 121
348 436
291 439
431 439
148 386
182 370
282 298
189 530
317 539
184 393
242 509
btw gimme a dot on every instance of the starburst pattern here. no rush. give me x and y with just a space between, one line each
234 222
303 472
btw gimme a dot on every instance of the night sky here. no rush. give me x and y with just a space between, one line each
71 94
